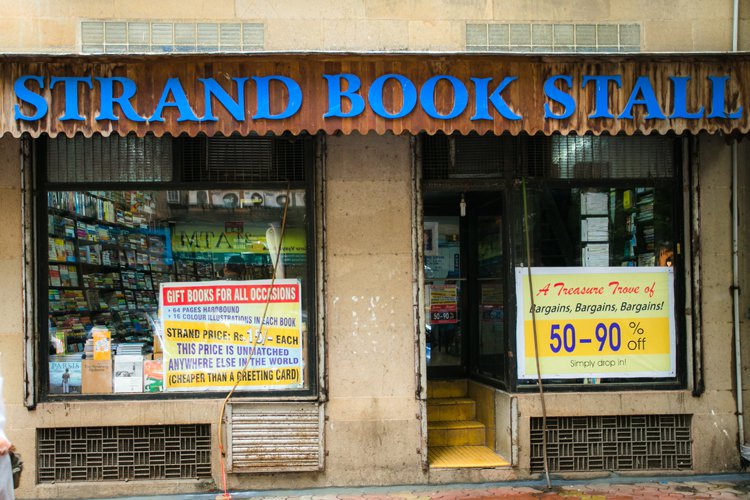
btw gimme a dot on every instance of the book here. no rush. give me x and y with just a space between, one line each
96 376
54 276
65 374
128 373
102 343
153 375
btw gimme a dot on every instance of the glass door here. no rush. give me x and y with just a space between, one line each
487 269
444 290
464 269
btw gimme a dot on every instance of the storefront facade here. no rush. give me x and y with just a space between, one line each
399 197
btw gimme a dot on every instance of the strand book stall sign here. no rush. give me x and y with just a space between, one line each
608 322
213 339
274 93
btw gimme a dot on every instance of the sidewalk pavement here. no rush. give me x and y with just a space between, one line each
730 486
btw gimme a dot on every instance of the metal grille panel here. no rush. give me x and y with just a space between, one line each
109 159
275 437
636 442
612 157
558 157
123 453
236 158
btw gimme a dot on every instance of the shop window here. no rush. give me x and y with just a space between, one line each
607 202
122 218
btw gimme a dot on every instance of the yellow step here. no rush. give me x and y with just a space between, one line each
464 456
451 409
447 389
455 433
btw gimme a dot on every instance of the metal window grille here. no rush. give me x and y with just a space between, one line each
468 157
560 157
142 37
546 37
237 158
612 157
109 159
636 442
153 159
123 453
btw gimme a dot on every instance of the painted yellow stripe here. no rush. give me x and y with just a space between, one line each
464 456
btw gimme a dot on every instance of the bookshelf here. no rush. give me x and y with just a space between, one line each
635 215
105 265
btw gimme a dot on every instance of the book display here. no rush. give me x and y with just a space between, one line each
102 256
107 257
640 219
594 229
108 252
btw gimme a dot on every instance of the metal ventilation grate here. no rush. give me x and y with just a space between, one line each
237 158
109 159
637 442
275 437
123 453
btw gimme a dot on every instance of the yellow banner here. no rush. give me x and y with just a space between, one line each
236 237
596 322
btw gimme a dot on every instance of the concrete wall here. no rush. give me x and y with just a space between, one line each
370 335
376 25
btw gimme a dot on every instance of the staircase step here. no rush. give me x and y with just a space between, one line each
451 409
455 433
447 389
464 456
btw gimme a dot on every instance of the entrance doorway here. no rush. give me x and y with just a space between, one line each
465 285
465 300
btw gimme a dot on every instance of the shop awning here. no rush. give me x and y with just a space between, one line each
398 93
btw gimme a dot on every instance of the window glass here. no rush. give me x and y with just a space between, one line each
598 226
108 252
443 283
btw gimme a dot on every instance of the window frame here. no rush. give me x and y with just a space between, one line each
681 297
509 183
38 216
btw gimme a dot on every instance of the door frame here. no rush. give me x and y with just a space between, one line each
468 299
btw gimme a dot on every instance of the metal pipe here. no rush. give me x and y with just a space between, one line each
736 261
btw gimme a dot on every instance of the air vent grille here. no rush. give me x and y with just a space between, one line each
123 453
634 442
275 437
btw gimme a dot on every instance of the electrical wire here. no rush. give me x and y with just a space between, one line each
255 338
536 339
